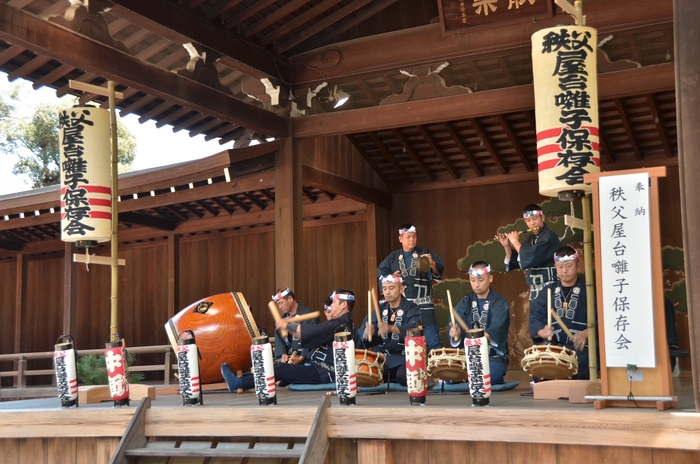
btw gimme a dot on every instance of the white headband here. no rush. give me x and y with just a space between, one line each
282 294
410 230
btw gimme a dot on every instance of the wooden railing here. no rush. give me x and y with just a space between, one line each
20 372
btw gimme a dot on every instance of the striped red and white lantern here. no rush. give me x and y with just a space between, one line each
566 107
476 349
263 370
416 372
86 182
188 370
65 362
345 367
117 372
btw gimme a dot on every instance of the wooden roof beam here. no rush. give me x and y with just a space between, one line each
628 128
254 201
204 127
251 10
28 67
409 149
389 157
604 149
514 142
239 203
308 194
659 125
648 79
209 209
220 8
176 212
368 158
322 24
163 18
192 210
438 151
222 205
153 112
463 148
52 76
487 144
11 245
148 221
278 14
340 185
30 32
299 21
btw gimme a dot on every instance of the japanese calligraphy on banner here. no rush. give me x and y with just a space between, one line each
86 183
564 69
459 14
625 243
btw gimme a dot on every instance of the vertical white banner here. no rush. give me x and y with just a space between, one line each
625 243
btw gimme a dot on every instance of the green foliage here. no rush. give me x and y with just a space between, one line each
672 259
92 370
34 139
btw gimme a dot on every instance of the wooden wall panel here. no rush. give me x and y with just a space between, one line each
335 257
8 277
338 155
42 322
225 263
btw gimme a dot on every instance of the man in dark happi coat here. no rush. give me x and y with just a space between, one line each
316 338
404 263
288 349
570 303
397 315
488 310
534 255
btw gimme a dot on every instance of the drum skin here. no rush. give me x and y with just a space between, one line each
224 329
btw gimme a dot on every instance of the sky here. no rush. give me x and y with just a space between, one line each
156 146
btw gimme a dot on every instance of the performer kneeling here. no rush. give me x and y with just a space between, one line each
486 309
397 315
316 338
569 301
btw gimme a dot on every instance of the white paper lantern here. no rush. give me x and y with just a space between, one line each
564 69
86 183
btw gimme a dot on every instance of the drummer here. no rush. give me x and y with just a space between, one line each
288 349
397 315
488 310
569 301
317 338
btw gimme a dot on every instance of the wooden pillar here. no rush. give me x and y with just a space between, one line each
173 274
687 61
378 240
70 286
374 452
289 225
20 305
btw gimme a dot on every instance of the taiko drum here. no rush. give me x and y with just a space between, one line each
224 328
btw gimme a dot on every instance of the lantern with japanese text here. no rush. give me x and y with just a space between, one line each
65 361
188 369
476 349
345 367
263 370
86 185
117 372
564 70
416 373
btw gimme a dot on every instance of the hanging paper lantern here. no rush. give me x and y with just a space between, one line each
86 183
564 68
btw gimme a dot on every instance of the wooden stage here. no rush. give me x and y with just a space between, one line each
381 428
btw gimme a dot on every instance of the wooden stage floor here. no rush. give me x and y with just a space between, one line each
514 428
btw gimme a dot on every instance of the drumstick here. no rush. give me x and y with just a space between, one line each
274 310
294 355
369 315
452 311
461 322
375 302
561 323
304 317
549 310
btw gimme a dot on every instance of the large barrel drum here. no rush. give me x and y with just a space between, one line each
224 328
